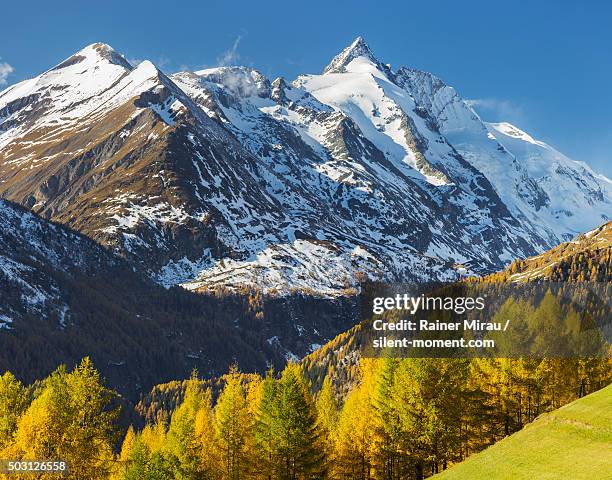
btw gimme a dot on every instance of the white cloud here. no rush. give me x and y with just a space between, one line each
231 56
5 71
498 109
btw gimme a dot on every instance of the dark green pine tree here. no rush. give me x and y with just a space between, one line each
265 425
387 432
295 433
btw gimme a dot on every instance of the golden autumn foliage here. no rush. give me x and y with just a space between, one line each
401 419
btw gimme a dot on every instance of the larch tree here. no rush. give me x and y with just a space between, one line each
204 431
232 427
70 420
354 437
13 403
182 441
327 413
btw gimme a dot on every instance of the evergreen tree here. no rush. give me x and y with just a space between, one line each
387 432
264 427
428 395
146 465
295 433
137 461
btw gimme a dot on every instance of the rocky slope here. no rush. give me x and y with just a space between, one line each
222 177
64 297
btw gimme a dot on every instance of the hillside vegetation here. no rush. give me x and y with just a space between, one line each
572 442
587 258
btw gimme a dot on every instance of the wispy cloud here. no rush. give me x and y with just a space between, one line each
231 56
162 61
134 61
5 71
495 109
295 63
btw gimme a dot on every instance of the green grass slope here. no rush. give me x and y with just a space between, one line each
573 442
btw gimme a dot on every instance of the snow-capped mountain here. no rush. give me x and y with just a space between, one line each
575 197
222 176
559 196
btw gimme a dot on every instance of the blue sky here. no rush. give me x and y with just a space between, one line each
544 65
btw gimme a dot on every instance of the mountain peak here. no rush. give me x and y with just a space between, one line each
241 81
358 48
359 42
95 53
100 47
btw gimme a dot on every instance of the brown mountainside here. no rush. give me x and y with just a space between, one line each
586 258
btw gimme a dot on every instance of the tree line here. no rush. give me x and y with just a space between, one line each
404 419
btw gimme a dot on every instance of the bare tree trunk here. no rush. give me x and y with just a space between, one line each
418 471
